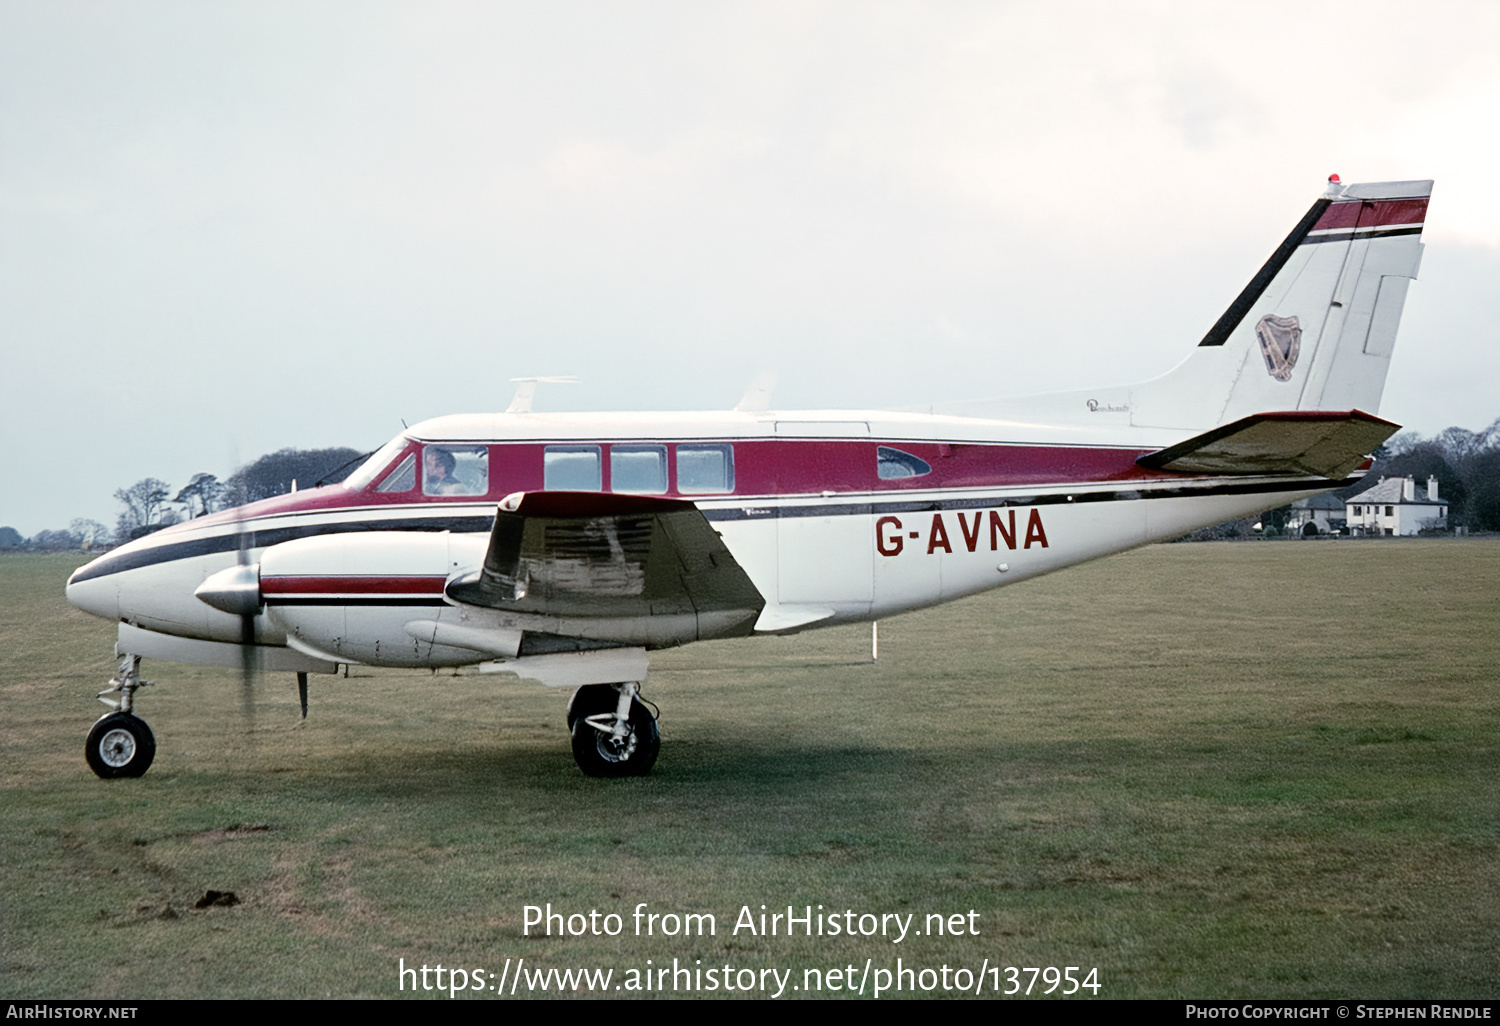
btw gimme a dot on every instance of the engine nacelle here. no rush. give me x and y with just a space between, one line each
351 597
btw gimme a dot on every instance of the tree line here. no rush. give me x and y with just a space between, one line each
1465 463
149 504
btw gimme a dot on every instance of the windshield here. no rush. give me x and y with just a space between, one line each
361 478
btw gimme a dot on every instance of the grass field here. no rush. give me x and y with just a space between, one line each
1213 770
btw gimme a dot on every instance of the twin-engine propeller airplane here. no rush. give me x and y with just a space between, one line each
564 548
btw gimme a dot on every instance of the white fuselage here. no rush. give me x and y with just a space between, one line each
827 523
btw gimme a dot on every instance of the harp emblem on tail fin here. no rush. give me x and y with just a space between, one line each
1280 342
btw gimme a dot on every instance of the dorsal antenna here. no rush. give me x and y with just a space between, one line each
526 389
757 397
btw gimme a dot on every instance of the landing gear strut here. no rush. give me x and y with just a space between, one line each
120 744
614 734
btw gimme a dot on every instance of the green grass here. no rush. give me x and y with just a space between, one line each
1214 770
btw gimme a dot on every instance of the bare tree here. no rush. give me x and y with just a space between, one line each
144 504
90 533
53 541
203 491
274 473
1466 464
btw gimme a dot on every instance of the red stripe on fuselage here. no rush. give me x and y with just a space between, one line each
786 467
1355 214
352 585
768 467
764 468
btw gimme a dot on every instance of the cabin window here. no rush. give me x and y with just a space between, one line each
1390 511
571 468
455 469
638 469
705 469
893 464
403 478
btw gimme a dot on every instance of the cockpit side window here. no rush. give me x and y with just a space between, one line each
403 478
455 469
893 464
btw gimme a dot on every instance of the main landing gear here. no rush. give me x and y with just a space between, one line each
614 734
120 744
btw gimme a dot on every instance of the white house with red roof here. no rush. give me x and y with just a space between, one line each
1395 507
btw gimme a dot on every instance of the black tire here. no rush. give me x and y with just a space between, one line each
120 745
590 700
600 755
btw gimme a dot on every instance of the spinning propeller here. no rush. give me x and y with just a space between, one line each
236 591
247 622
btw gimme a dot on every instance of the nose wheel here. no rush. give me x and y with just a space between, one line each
120 745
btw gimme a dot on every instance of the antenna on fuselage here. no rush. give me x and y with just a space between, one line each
526 388
757 397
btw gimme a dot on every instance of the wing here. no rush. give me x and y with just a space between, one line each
590 555
1299 442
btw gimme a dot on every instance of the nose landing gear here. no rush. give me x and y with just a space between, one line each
120 743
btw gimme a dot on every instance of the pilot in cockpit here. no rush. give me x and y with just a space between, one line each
438 466
455 469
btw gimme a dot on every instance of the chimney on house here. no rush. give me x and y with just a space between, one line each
1408 489
1432 488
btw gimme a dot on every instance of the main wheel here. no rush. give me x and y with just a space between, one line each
120 745
600 754
590 700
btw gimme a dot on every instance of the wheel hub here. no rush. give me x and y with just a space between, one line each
117 748
617 749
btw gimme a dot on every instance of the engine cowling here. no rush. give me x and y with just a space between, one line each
351 597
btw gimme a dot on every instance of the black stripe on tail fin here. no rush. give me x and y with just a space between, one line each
1272 267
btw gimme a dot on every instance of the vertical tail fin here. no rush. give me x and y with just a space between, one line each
1314 329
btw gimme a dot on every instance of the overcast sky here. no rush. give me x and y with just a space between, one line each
228 228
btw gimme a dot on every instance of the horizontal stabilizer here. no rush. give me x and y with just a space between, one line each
1297 442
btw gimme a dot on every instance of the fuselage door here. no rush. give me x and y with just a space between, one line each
825 552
